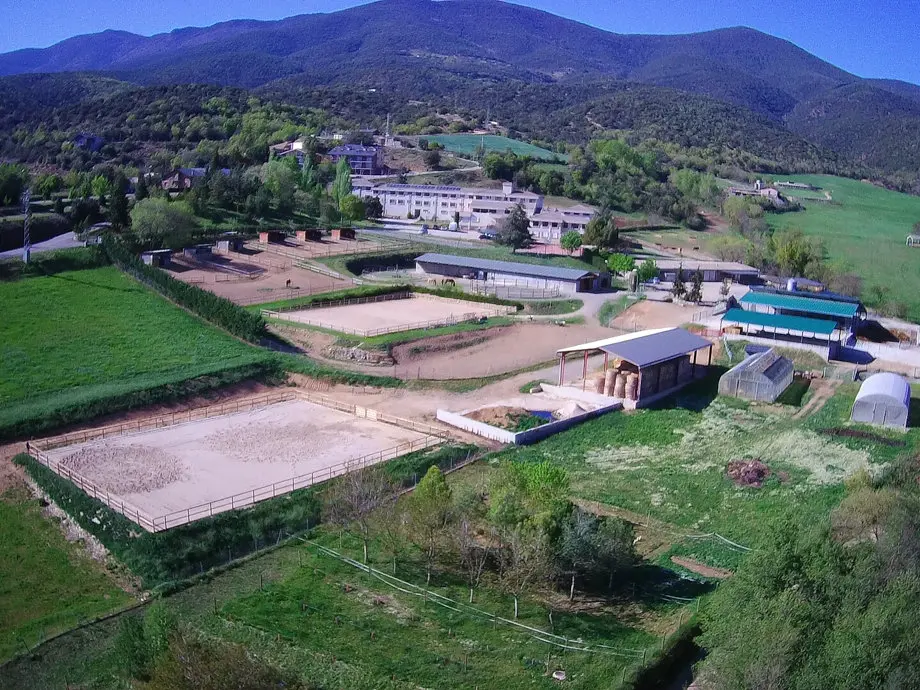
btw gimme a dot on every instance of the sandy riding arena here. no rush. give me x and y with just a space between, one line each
392 316
181 473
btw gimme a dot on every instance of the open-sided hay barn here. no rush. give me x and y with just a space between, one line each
763 376
883 400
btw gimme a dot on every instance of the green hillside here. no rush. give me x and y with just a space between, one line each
467 145
864 226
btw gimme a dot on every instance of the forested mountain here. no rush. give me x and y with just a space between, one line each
462 51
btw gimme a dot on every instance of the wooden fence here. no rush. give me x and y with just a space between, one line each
432 436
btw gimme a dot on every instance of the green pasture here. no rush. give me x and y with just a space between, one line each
468 144
85 335
46 584
669 463
864 228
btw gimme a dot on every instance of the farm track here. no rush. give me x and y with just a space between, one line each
824 390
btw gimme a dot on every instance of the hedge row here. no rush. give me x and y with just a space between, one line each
49 263
159 558
219 311
359 264
43 226
455 294
83 410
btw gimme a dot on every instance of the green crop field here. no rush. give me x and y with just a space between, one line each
865 227
46 584
468 144
80 336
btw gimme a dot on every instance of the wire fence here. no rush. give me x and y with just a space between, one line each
431 436
268 295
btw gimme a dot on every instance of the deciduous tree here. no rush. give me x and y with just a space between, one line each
570 241
157 222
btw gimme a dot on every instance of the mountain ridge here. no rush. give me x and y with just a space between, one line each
455 44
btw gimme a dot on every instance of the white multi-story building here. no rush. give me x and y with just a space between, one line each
479 208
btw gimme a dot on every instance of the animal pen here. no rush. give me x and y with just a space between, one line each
763 377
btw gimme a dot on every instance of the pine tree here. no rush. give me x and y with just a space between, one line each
118 206
680 288
696 287
514 231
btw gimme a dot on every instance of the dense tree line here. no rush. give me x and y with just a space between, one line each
520 532
826 606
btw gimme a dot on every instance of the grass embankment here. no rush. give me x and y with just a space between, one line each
553 307
614 307
73 338
802 359
46 584
865 228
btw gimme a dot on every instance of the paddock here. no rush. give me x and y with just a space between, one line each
165 476
368 318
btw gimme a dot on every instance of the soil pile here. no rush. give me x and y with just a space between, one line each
751 473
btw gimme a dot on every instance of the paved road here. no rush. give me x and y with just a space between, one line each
66 241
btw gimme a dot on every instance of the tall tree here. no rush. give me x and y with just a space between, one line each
429 512
353 497
341 187
695 294
514 229
140 189
13 180
118 206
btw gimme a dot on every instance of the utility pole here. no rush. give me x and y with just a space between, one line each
26 237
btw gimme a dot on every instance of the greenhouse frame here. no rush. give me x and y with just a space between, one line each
883 400
763 377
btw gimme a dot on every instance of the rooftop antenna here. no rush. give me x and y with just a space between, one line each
26 236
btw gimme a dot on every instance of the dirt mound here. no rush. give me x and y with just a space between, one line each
127 469
501 416
751 472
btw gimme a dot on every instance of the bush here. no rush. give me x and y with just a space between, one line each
219 311
43 226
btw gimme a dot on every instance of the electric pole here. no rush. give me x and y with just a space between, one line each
26 238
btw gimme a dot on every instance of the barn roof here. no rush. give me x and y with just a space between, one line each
808 305
646 348
799 324
513 268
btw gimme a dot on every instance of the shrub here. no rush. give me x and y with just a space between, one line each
49 263
43 226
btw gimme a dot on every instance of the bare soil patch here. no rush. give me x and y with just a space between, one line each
502 416
695 566
651 314
488 353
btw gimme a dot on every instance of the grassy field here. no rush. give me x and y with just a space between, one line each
468 144
46 584
83 335
864 221
669 463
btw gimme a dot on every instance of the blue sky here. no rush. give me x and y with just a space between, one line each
880 38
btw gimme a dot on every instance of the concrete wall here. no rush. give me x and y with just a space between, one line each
474 427
522 438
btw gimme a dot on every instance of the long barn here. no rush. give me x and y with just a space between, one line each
532 275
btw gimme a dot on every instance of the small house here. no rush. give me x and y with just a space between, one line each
309 235
271 236
157 257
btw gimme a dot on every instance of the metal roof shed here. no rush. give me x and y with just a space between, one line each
507 267
763 376
883 400
804 305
